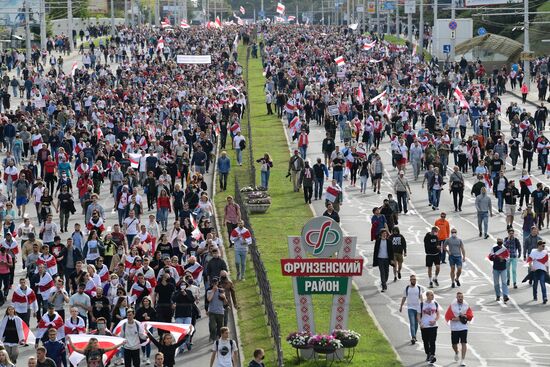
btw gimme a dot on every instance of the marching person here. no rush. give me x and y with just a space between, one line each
499 256
484 208
538 265
427 319
443 234
413 297
458 315
457 255
432 248
399 244
514 247
383 256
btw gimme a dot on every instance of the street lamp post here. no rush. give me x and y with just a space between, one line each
27 32
43 24
70 23
526 46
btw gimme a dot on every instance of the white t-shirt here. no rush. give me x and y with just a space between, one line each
132 225
224 352
429 313
413 297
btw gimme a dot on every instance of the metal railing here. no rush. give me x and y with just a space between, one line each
262 281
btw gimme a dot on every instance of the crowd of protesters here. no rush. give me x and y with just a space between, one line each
444 124
123 141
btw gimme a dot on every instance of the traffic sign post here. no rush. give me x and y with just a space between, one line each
446 49
481 31
321 262
452 25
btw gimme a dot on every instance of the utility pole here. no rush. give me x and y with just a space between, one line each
322 11
126 12
453 39
388 19
113 18
421 31
434 37
526 46
262 9
27 32
347 11
410 28
157 12
184 10
70 23
378 16
397 23
43 24
363 25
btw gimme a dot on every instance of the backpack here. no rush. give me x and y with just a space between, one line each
242 145
137 329
422 305
419 290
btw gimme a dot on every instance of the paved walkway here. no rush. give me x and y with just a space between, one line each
200 354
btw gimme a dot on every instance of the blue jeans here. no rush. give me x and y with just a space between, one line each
413 322
318 188
436 194
184 320
483 220
500 198
538 277
512 263
239 156
338 176
265 178
303 151
162 216
500 279
240 262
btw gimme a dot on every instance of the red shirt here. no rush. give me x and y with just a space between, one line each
49 167
163 202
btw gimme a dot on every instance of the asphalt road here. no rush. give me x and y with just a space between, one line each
513 334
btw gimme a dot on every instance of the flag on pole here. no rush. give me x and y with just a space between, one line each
340 61
184 24
218 22
332 193
74 68
241 9
280 8
381 95
529 183
368 46
458 95
160 44
165 23
295 125
279 19
291 18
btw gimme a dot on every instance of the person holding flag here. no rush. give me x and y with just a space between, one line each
538 267
92 351
14 331
457 316
242 238
499 256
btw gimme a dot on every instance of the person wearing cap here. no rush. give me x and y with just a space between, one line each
295 166
538 265
401 187
382 257
432 249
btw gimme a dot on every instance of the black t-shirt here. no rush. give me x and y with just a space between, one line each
65 201
430 244
496 165
48 362
165 293
338 164
94 358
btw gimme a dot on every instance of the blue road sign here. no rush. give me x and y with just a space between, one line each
261 14
446 49
389 5
481 31
452 25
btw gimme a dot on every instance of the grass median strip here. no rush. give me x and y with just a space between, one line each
286 216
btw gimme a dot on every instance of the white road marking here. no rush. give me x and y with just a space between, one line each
534 336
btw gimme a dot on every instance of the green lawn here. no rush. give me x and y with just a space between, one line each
285 217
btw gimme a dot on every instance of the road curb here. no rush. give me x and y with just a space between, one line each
520 97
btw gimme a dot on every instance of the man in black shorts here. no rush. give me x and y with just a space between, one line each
432 249
458 315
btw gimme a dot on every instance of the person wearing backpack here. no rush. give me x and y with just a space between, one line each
133 332
413 296
224 351
239 144
427 319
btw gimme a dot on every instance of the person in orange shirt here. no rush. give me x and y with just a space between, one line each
444 232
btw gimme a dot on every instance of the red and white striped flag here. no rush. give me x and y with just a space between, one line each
241 9
134 159
332 193
454 310
80 341
196 234
218 22
340 61
295 125
72 328
165 23
547 171
280 8
388 111
539 256
137 290
360 95
178 331
23 331
99 133
368 46
279 19
487 181
502 253
22 300
414 49
45 324
458 95
160 44
529 183
381 95
291 18
74 68
184 24
195 270
290 106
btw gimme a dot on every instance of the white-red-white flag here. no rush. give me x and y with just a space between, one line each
165 23
178 331
160 43
290 18
360 95
381 95
529 183
184 24
295 125
80 341
332 193
218 22
280 8
368 46
74 68
134 159
99 133
241 9
279 19
340 61
458 95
